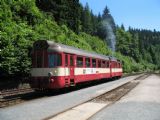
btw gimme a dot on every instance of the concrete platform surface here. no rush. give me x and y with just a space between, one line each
142 103
81 112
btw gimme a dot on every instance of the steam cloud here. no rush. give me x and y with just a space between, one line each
110 37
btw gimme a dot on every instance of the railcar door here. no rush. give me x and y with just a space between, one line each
71 67
69 70
111 66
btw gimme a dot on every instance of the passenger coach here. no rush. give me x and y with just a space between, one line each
57 66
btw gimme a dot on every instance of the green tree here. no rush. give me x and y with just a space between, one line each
63 11
134 47
86 20
123 42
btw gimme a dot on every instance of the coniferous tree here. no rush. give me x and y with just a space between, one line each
99 18
122 27
107 16
86 20
63 11
134 46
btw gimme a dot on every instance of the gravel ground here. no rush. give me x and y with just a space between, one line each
45 107
142 103
115 94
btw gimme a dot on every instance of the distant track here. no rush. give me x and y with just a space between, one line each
5 93
11 97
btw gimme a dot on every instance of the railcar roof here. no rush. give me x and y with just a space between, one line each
72 50
57 47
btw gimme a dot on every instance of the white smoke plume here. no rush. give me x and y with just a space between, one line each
110 36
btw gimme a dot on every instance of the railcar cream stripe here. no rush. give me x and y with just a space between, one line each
116 69
41 72
85 71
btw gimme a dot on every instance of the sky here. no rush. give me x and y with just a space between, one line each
143 14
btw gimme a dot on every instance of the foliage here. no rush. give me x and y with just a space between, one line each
64 12
21 24
139 45
149 45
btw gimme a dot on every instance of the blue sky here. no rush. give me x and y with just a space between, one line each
135 13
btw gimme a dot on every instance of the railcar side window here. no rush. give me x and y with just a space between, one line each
71 61
66 60
93 62
54 60
107 65
88 62
79 61
99 63
103 64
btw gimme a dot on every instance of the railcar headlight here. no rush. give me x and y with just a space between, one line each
55 71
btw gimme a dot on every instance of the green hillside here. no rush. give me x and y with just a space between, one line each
22 23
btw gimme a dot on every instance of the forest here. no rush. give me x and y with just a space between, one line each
66 21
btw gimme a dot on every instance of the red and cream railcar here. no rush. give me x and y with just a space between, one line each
116 67
57 66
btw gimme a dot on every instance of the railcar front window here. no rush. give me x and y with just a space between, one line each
54 60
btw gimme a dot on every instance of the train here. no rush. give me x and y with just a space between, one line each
56 66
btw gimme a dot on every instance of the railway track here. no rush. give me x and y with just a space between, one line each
12 92
12 97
